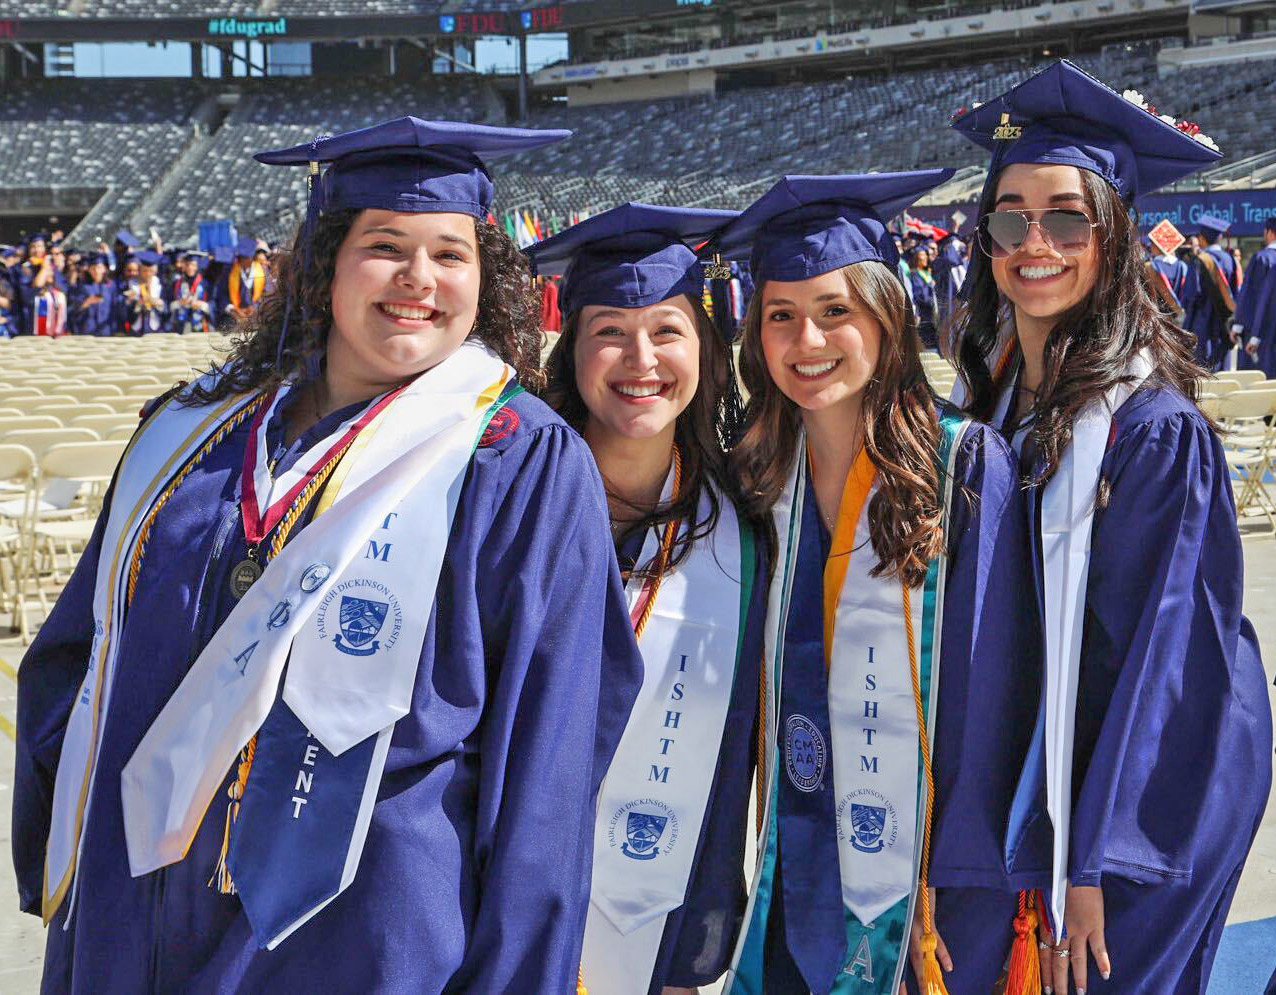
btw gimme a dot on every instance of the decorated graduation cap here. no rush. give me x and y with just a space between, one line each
631 256
806 226
409 165
1213 223
1063 116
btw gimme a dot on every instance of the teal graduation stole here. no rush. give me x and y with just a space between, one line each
876 950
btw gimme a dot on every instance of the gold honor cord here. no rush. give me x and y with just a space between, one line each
221 877
235 792
932 979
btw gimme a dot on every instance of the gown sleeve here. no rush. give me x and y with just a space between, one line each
990 666
709 921
1171 709
48 680
563 673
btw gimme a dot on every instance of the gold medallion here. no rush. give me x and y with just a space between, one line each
243 575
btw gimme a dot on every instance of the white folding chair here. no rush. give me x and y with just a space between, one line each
17 468
88 463
1249 444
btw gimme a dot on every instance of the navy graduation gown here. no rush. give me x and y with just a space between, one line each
1203 313
700 936
989 683
99 317
1172 757
475 874
1256 311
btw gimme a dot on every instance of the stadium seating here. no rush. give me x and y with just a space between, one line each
226 180
120 135
718 151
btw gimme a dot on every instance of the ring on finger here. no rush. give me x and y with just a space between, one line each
1042 944
1062 952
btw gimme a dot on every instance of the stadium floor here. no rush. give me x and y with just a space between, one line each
1246 958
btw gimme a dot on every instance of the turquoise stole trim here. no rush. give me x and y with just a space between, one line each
876 952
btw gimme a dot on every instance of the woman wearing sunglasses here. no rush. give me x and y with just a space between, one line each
1154 718
896 521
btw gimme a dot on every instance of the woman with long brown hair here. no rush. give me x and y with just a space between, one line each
1154 715
646 377
327 702
895 521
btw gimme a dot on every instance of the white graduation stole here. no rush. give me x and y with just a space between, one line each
873 721
1067 521
326 578
652 805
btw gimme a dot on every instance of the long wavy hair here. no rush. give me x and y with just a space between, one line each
1087 351
696 433
901 430
508 320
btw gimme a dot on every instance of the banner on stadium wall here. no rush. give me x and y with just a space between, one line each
1247 210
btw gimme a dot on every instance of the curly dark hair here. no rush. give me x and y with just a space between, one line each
1087 351
508 319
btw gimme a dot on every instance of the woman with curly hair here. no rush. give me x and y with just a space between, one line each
896 522
1154 716
646 378
348 654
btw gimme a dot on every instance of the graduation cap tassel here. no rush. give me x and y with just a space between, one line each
313 191
731 407
221 879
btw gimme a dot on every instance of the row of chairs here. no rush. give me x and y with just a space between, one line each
50 495
1243 403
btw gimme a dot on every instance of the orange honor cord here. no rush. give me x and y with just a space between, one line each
854 493
1023 973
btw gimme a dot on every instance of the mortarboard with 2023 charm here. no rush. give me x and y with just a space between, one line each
805 226
631 256
1064 116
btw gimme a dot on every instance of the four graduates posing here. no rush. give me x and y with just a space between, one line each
414 702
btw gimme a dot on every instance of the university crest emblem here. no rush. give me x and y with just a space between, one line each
867 824
642 832
361 620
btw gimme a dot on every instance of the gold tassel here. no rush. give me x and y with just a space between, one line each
580 983
932 979
221 873
1023 976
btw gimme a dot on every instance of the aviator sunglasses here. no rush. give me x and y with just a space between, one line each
1068 232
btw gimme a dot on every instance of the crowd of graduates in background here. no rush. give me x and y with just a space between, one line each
50 288
1227 302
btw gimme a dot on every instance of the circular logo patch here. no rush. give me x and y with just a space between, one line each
359 617
804 753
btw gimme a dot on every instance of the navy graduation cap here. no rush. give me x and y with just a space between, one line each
1214 223
409 165
126 237
631 256
805 226
148 257
223 254
246 247
1064 116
